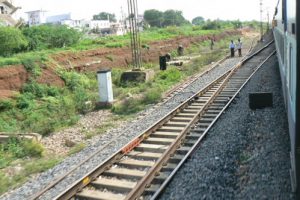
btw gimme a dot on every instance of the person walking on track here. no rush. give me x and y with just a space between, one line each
232 46
239 47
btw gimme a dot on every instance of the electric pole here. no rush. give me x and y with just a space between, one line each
134 34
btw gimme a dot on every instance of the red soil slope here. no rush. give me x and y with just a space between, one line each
12 78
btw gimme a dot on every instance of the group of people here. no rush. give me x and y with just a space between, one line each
237 46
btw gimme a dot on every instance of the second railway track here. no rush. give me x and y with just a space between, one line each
142 167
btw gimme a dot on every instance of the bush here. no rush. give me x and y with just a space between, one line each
31 66
32 148
211 25
50 36
152 96
5 105
11 41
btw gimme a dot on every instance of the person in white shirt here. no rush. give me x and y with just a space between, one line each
239 47
231 47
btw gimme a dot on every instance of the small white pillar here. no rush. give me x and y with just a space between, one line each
105 87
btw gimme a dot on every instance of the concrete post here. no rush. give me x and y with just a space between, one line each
105 87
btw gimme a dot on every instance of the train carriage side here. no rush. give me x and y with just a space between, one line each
286 32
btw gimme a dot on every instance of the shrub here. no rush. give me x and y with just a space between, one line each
31 66
50 36
211 25
152 96
25 101
32 148
5 105
11 41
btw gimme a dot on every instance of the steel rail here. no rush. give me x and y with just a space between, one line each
196 145
71 191
98 170
52 184
60 178
146 180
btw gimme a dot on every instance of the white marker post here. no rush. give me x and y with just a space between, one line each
105 88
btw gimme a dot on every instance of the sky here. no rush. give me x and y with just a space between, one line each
209 9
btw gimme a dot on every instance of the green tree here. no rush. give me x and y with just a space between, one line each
50 36
105 16
174 18
11 41
198 21
154 17
211 25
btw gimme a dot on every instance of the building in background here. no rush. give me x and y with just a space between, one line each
101 27
36 17
6 14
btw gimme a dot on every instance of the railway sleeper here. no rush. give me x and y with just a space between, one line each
217 108
180 119
169 167
176 124
118 185
160 178
189 142
153 148
170 129
176 158
133 163
210 115
87 194
193 136
124 173
190 110
150 191
144 155
156 140
164 135
202 125
218 104
198 130
205 120
183 150
185 115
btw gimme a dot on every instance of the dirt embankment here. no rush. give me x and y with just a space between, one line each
12 78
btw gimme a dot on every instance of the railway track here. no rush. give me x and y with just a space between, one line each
142 168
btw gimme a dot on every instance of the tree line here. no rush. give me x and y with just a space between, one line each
13 40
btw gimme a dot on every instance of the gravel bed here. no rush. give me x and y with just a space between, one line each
129 131
246 153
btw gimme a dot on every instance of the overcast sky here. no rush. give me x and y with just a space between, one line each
209 9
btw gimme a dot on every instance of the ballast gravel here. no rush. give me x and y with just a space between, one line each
124 134
246 153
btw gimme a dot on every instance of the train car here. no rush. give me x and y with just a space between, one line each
286 33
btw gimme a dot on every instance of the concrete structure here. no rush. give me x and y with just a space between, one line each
105 88
104 27
117 29
6 12
36 17
58 19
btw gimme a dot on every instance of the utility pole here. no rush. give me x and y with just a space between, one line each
134 34
261 24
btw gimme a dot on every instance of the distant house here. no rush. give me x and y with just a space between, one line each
6 12
117 29
140 23
36 17
103 27
100 26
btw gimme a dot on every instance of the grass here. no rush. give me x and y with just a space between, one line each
77 148
25 169
43 109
